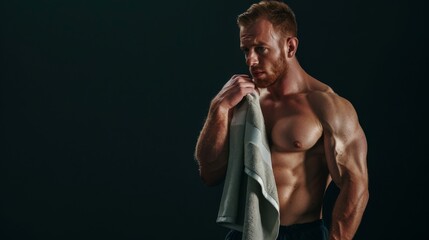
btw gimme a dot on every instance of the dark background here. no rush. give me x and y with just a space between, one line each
102 102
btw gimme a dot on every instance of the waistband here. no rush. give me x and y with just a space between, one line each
302 226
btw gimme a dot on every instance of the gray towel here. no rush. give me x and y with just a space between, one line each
249 200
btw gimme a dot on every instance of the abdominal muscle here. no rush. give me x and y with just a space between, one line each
298 158
301 179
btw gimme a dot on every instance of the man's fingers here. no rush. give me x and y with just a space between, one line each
244 78
235 89
239 82
239 75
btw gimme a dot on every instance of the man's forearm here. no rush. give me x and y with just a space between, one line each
212 146
348 210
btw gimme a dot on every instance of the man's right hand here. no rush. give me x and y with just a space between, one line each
233 91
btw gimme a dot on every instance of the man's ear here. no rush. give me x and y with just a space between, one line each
292 46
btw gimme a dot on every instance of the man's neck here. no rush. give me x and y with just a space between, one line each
295 81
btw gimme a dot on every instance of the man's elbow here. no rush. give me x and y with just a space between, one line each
210 178
357 185
365 195
362 192
363 188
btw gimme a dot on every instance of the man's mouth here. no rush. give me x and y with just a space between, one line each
257 72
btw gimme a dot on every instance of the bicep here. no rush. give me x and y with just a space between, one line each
346 152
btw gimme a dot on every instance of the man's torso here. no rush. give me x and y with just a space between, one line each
295 135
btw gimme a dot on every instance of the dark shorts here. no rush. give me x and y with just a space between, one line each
304 231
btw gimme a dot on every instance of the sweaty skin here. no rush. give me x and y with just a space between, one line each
300 168
314 134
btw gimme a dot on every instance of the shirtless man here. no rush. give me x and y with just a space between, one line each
314 134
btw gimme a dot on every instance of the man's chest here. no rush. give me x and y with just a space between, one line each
291 124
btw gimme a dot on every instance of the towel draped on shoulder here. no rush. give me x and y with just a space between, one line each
249 200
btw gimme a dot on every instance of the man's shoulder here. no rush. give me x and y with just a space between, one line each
329 106
323 98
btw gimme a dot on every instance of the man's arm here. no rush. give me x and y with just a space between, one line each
346 152
211 151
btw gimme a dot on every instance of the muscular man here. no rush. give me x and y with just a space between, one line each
314 133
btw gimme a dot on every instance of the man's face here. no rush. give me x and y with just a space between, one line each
264 52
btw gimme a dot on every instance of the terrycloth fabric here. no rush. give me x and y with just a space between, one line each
249 200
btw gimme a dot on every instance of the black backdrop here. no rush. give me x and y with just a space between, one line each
102 102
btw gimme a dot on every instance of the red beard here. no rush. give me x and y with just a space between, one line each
268 78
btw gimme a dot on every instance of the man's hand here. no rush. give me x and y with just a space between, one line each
233 91
211 151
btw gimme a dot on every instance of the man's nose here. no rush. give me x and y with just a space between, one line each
252 58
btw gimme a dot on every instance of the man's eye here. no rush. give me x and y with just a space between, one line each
261 49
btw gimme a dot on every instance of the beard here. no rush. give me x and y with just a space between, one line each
277 71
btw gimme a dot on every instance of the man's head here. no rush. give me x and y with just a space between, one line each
268 40
277 12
